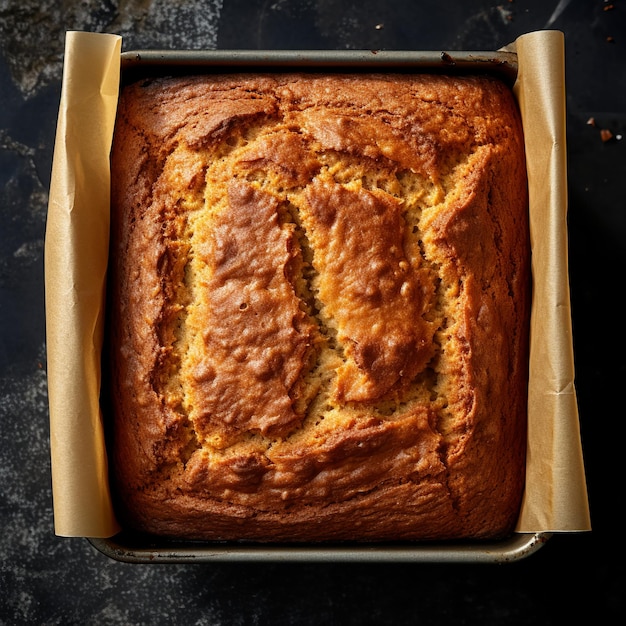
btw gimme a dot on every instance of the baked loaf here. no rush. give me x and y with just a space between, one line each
319 307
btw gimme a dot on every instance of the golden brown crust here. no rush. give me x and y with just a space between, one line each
319 307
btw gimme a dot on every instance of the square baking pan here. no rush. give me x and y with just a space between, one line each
134 548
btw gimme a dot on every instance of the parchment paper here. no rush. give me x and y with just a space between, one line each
555 498
76 249
75 257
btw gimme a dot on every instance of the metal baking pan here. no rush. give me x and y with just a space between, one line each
146 62
132 548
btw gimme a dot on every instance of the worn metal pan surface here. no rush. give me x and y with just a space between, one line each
132 548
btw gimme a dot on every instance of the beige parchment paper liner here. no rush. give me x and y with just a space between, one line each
75 258
555 498
76 249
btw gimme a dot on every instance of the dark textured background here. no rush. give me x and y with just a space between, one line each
49 580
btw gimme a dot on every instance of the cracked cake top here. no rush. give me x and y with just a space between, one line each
319 307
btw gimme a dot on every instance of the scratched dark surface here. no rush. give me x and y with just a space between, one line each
46 579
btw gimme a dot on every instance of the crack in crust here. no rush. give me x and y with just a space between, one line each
364 311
